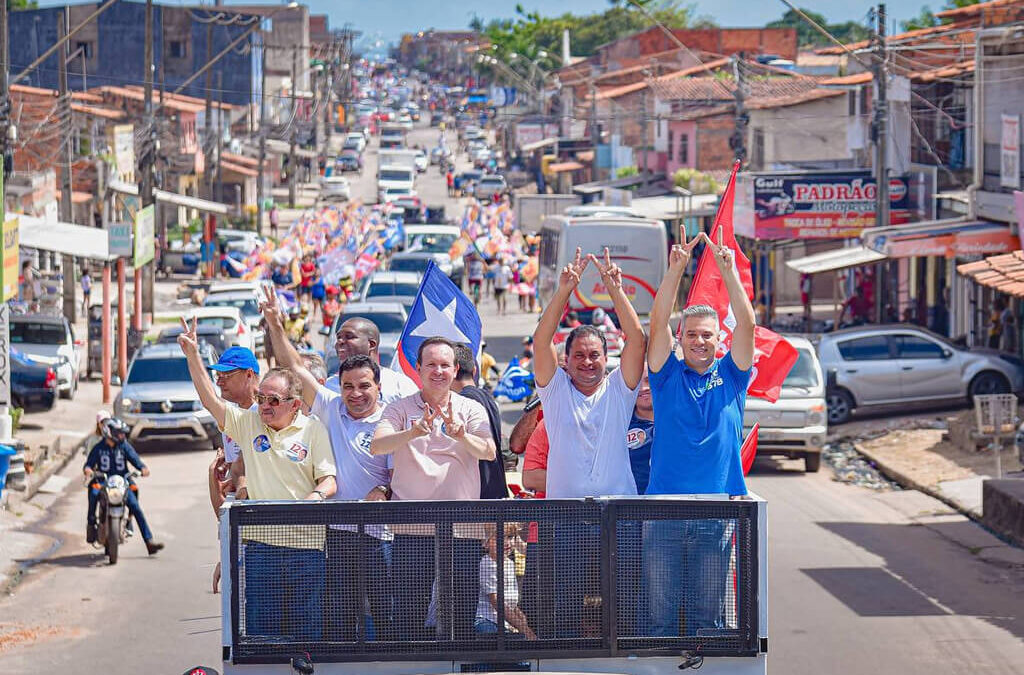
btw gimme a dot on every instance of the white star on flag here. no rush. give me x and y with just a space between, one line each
439 322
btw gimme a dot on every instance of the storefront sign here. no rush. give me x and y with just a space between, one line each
119 239
145 231
10 266
972 241
1009 168
531 133
819 204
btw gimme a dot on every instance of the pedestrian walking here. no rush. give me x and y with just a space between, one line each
86 282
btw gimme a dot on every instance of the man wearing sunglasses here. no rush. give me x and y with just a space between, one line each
285 455
351 418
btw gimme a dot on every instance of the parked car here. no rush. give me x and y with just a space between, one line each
158 400
229 320
389 317
417 261
389 286
33 382
49 336
211 335
242 241
335 187
904 364
248 303
795 425
421 160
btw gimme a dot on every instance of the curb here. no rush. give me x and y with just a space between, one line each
908 482
54 467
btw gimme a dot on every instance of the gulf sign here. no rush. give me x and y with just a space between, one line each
822 204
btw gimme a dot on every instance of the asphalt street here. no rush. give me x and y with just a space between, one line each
859 582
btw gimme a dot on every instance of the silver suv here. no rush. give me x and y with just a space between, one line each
796 424
158 400
901 364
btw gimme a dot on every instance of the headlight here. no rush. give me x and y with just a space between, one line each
131 405
816 416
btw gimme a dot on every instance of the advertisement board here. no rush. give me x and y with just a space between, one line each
821 204
145 231
10 267
119 239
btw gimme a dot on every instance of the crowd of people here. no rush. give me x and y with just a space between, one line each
668 420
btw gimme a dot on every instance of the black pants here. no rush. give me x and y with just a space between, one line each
412 576
350 554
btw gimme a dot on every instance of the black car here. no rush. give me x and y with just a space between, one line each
33 384
211 335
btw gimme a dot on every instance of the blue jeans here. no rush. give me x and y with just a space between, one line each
685 567
346 553
284 590
133 509
485 627
577 572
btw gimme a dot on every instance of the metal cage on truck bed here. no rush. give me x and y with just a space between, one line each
628 585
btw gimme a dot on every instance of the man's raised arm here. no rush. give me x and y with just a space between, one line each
742 349
660 345
284 350
545 359
197 370
632 359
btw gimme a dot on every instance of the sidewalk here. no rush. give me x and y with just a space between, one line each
920 454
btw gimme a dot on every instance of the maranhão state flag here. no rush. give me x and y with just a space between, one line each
773 355
440 309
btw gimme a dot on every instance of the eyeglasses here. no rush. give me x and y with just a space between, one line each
222 376
272 400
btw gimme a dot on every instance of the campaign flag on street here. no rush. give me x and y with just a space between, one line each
365 264
773 355
516 383
440 309
748 451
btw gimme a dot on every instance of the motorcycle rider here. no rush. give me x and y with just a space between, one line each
112 455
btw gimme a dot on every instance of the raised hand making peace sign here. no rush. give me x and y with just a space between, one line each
424 425
270 308
187 339
452 428
610 273
571 273
680 255
724 255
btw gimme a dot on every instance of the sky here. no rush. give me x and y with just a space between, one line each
389 19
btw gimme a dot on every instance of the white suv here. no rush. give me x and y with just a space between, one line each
49 338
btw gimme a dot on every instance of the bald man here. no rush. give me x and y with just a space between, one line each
360 336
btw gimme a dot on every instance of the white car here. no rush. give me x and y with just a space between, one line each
357 139
335 187
405 121
229 320
248 303
50 339
392 193
422 161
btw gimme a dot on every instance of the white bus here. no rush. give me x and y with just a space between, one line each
638 245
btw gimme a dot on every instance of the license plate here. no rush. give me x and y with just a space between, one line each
167 424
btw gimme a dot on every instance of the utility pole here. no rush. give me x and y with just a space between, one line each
263 139
595 137
292 160
738 140
643 127
70 307
145 277
220 135
5 101
880 122
208 126
329 72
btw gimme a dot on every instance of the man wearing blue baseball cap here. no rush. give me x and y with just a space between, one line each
237 375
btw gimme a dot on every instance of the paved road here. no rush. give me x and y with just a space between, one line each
859 582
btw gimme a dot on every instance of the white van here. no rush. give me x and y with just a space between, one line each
638 245
389 177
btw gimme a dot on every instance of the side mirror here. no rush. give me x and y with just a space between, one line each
947 353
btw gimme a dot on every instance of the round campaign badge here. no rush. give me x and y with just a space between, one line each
297 452
261 443
635 438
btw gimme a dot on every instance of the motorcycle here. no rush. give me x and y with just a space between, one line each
112 514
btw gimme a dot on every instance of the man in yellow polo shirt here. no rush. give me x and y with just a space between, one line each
285 456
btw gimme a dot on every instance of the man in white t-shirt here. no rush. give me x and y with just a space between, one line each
502 278
360 336
586 415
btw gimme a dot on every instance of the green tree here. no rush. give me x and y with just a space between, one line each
808 36
925 19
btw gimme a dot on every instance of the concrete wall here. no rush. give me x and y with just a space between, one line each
805 132
679 129
713 151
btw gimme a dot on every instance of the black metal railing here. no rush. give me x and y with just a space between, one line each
394 581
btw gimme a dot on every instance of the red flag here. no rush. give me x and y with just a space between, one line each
748 451
773 355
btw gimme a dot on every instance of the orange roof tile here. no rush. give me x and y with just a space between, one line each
973 10
98 111
856 78
899 37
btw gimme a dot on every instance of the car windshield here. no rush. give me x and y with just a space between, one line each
432 242
159 370
248 306
803 373
409 264
392 288
386 322
37 333
221 322
394 174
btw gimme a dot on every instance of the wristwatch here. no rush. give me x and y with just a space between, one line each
323 497
386 489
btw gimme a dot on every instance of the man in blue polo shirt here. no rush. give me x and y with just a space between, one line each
698 408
